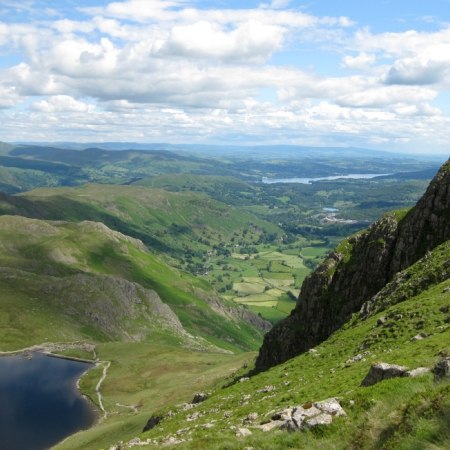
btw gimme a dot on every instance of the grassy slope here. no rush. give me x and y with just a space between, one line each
167 221
39 255
400 413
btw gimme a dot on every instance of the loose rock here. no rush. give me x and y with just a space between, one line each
251 417
419 337
442 369
243 432
152 422
383 371
309 415
199 397
418 372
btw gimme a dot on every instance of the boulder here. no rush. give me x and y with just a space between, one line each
243 432
199 397
442 369
251 417
306 416
419 337
383 371
152 422
320 419
418 372
272 425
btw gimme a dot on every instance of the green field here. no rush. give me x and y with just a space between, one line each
268 280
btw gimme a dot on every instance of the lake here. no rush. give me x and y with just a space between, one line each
352 176
39 402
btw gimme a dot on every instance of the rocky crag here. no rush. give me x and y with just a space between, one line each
357 270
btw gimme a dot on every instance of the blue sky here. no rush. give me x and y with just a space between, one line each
367 74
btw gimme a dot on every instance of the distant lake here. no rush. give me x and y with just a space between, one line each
39 402
352 176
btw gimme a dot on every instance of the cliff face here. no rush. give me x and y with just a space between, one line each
357 270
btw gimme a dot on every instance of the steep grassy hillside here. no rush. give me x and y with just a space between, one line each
399 314
82 280
402 413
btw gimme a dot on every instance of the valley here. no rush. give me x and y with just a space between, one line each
166 268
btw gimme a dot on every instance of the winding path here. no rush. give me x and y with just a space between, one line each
106 365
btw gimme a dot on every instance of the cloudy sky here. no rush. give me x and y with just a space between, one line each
319 72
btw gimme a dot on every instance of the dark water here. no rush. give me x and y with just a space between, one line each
39 402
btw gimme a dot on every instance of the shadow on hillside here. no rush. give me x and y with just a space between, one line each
62 208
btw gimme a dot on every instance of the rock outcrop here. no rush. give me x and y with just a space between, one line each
442 369
304 417
357 270
383 371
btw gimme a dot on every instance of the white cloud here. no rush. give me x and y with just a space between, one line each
61 103
138 10
8 97
251 42
363 61
165 69
420 70
419 58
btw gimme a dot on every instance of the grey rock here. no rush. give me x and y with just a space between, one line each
420 371
243 432
194 416
305 416
442 369
300 413
356 358
272 425
266 389
419 337
330 406
379 257
289 425
251 417
381 321
153 422
383 371
320 419
199 397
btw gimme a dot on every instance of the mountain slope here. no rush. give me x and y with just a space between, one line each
359 268
83 280
177 224
400 318
402 413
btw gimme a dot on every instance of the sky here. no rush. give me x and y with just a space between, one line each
372 74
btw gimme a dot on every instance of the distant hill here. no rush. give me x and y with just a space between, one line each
175 223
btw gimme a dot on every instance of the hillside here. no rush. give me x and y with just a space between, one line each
179 224
86 281
398 321
360 267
